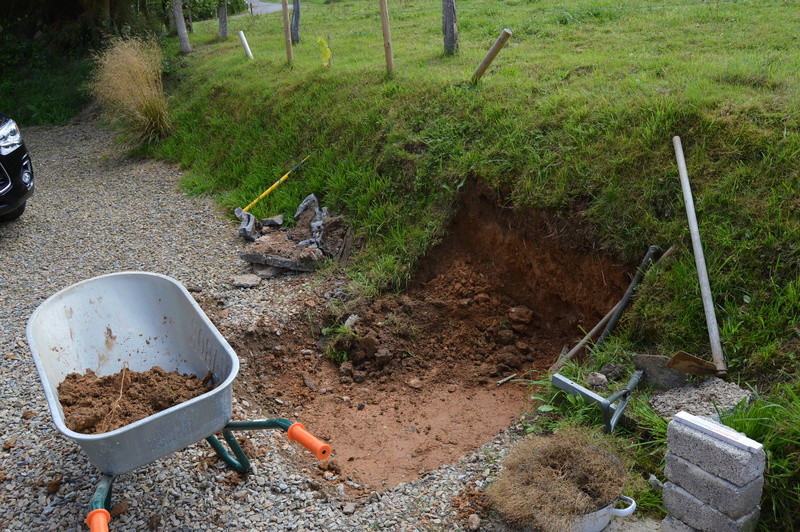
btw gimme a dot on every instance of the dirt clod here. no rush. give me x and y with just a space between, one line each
119 509
93 405
153 521
54 485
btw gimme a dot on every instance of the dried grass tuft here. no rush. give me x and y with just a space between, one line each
127 82
547 481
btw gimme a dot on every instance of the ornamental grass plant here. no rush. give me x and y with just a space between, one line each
127 83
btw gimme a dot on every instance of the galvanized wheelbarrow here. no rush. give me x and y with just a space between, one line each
139 320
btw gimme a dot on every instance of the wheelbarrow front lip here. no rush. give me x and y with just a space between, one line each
207 413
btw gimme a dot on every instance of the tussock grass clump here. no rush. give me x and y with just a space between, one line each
547 481
128 84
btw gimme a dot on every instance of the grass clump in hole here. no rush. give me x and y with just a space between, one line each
128 84
547 481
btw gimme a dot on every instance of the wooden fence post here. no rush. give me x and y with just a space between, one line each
287 32
295 21
246 47
387 38
449 27
490 55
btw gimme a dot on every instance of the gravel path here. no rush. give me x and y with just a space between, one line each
94 213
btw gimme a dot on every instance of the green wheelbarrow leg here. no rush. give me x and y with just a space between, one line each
240 464
100 503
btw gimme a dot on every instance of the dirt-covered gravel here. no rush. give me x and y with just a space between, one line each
96 212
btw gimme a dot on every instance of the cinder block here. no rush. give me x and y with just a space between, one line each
670 524
730 499
687 508
715 456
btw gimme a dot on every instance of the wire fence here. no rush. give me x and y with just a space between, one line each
333 9
522 20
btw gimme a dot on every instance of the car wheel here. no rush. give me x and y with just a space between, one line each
13 215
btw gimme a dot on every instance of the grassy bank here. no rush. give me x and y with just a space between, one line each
577 114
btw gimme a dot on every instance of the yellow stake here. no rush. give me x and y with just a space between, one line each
274 186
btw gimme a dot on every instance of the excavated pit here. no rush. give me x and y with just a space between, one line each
502 294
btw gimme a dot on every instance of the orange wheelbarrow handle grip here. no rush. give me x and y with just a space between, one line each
98 520
298 433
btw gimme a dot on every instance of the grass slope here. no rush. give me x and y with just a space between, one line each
576 114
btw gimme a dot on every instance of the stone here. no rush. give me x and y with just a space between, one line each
614 371
596 381
473 522
656 484
349 509
273 221
656 372
267 272
415 384
247 280
351 320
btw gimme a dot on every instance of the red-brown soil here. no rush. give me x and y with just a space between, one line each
93 405
502 294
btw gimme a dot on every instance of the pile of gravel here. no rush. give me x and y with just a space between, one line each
95 212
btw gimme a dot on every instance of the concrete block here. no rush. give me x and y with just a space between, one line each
730 499
714 455
670 524
685 507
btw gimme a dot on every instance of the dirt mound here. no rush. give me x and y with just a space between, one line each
95 405
502 294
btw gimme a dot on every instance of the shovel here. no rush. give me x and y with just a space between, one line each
684 362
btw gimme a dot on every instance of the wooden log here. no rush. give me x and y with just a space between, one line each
491 54
449 27
287 31
387 38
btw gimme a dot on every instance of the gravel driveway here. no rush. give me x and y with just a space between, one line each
95 212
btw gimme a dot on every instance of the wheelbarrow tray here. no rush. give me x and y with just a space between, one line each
136 320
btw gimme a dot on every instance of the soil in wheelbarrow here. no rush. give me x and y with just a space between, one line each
93 405
501 295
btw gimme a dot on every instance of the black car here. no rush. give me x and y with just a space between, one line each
16 171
